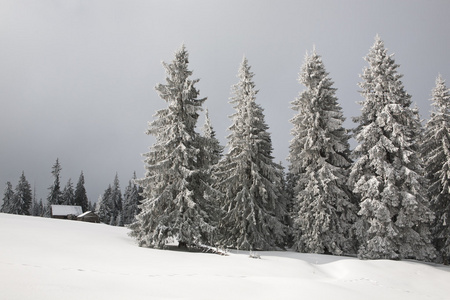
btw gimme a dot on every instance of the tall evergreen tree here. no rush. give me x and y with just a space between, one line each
250 181
388 175
174 207
91 206
103 209
115 203
8 198
210 154
68 195
34 205
23 197
55 195
324 209
131 201
212 150
436 153
80 197
37 208
291 179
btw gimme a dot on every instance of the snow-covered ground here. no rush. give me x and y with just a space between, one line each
57 259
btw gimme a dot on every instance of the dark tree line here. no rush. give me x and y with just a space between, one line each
22 200
112 207
116 209
19 200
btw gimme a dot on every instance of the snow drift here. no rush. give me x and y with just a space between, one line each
59 259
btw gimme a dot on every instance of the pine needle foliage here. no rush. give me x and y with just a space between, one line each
324 209
436 153
250 182
388 173
174 206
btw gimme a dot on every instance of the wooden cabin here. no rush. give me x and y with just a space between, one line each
69 212
89 216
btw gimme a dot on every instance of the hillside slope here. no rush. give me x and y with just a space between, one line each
57 259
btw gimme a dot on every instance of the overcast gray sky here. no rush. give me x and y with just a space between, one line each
77 77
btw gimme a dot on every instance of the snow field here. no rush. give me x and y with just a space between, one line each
59 259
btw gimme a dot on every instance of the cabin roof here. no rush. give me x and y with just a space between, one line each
85 214
65 210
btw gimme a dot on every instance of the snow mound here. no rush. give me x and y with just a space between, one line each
59 259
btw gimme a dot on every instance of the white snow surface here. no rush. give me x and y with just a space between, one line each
84 214
60 259
65 210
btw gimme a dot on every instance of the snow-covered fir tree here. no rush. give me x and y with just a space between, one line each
131 201
175 205
251 183
103 209
55 195
119 219
8 198
324 209
37 208
286 218
68 195
212 150
115 203
388 174
210 154
80 197
289 185
436 153
91 206
23 197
